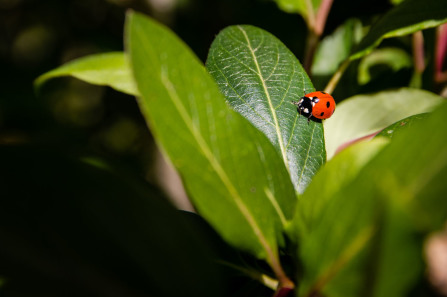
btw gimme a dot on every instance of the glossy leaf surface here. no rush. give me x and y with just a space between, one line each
233 174
260 78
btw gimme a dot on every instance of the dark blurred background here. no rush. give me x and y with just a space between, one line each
39 35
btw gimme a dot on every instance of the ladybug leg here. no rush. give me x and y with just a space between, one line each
308 119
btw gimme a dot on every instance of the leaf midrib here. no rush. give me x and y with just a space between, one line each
170 88
269 100
216 165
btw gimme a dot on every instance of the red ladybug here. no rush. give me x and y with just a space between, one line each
316 105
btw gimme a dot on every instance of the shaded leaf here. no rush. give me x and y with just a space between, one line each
370 225
260 78
335 48
402 125
362 115
231 171
109 69
298 6
406 18
393 58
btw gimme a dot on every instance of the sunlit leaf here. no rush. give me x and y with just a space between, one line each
233 174
109 69
260 78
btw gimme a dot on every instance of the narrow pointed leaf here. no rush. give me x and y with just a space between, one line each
232 172
260 78
406 18
109 69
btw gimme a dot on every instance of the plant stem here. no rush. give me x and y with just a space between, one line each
323 12
311 46
315 24
336 77
418 52
441 48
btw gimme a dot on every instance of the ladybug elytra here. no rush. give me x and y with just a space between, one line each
316 105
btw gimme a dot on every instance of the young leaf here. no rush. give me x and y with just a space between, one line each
260 78
362 115
406 18
233 174
369 225
109 69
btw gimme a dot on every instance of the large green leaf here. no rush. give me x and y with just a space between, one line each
233 174
109 69
406 18
362 115
260 78
361 238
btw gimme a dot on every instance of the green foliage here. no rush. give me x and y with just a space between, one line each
335 48
110 69
211 146
256 171
362 115
378 212
298 6
260 78
406 18
393 58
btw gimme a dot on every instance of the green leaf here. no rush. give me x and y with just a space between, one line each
298 6
393 58
260 78
369 225
233 174
401 125
109 69
406 18
335 48
362 115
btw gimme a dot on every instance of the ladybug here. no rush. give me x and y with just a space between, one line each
316 105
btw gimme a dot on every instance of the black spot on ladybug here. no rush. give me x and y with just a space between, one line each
328 104
321 114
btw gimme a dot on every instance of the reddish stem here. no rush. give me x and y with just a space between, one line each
418 52
441 50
